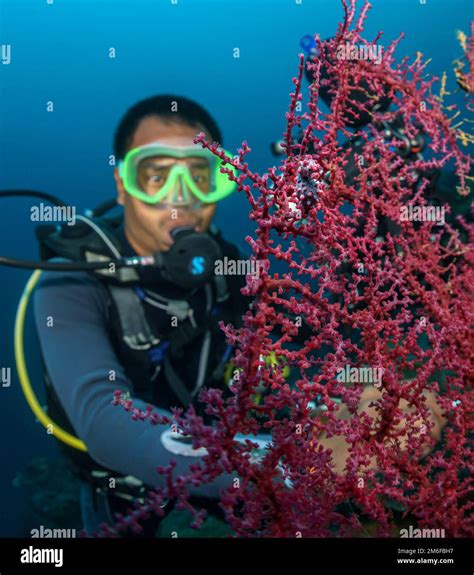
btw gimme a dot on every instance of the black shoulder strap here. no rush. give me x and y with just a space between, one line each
136 333
135 329
72 242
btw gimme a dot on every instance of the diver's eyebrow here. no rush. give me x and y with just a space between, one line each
155 165
199 163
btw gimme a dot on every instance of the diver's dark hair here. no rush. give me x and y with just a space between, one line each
168 107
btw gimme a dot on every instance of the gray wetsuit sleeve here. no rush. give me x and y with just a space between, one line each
71 314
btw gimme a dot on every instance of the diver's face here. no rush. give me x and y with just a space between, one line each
148 227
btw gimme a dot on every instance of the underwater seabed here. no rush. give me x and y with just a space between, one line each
53 491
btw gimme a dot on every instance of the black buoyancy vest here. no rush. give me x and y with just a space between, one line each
166 367
170 347
151 333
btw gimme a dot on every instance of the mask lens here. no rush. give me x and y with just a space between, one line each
152 173
200 172
155 174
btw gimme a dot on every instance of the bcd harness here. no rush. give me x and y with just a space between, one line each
144 353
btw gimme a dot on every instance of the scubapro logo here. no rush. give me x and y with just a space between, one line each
197 265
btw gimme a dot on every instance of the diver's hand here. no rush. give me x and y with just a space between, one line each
340 447
180 444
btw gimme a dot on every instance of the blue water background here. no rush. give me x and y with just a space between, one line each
60 52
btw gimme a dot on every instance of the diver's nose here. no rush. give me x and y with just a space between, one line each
180 195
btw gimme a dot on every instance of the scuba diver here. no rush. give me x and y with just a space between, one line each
131 303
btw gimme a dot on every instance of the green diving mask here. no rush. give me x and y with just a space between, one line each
175 175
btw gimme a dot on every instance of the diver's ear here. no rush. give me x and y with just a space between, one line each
120 188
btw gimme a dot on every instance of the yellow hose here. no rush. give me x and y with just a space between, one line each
23 376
